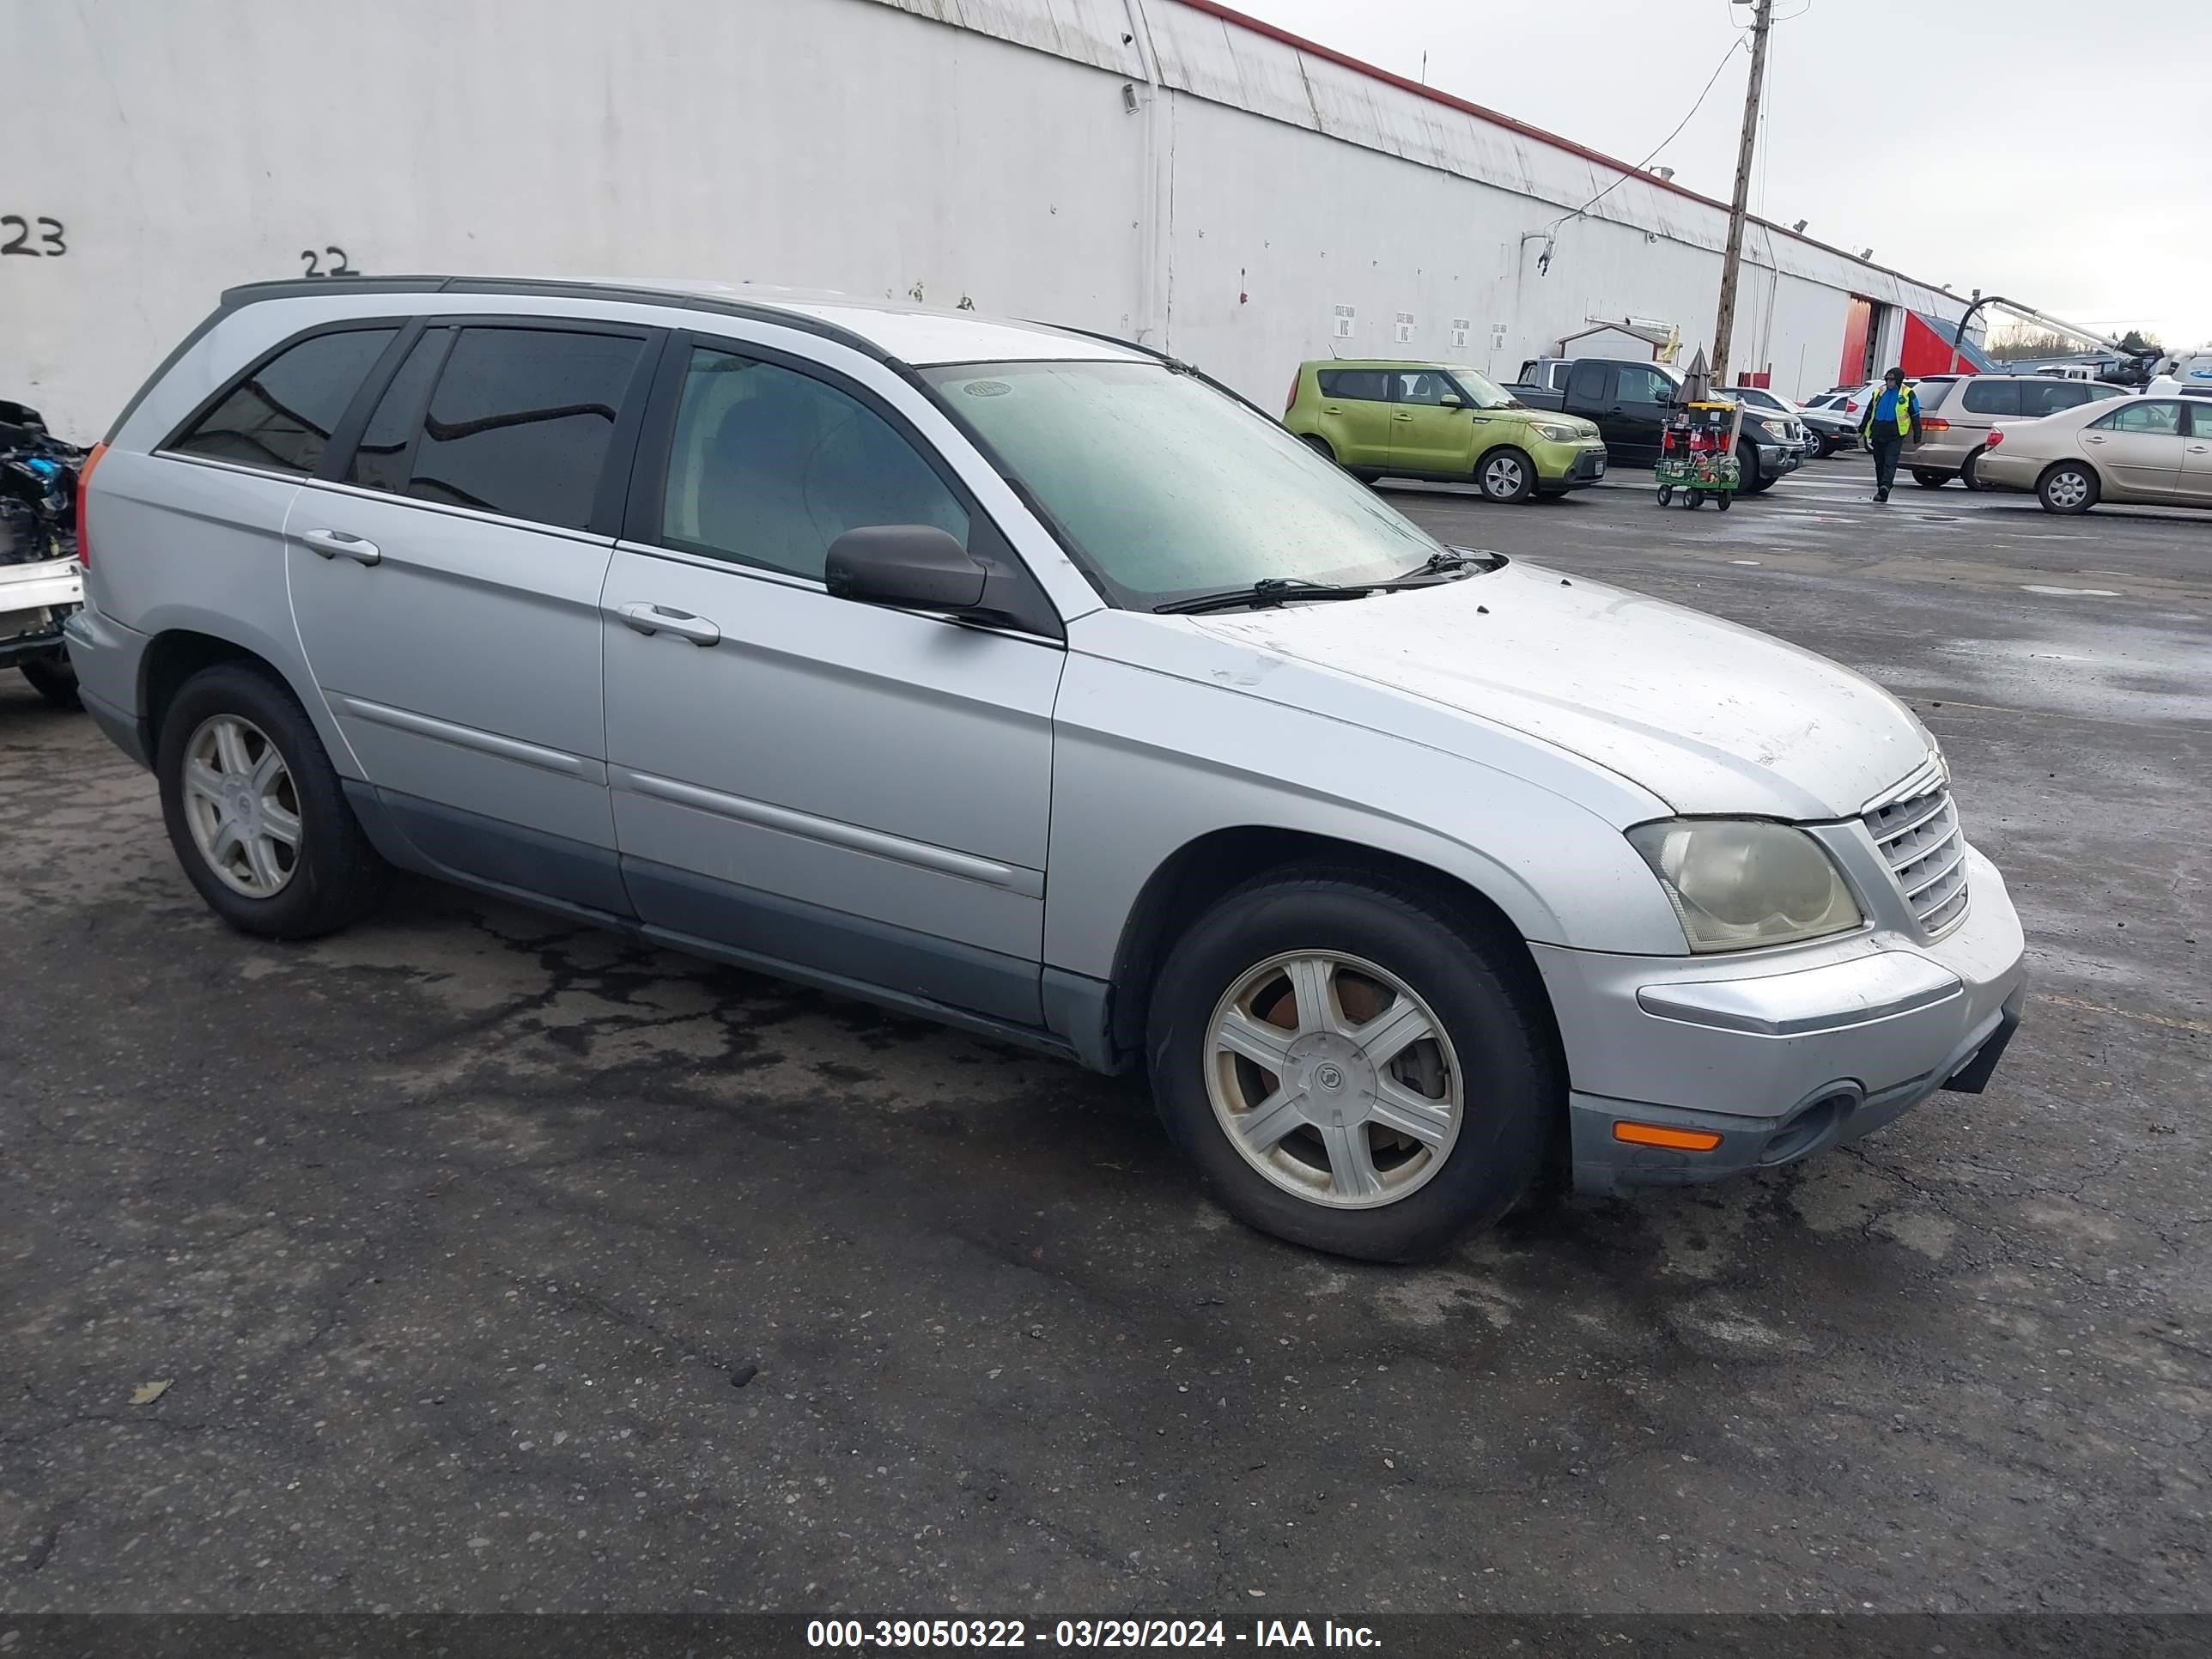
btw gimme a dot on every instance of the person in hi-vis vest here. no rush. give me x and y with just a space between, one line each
1893 413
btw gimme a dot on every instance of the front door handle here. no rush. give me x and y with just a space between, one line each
2091 438
1401 416
660 619
2199 449
341 544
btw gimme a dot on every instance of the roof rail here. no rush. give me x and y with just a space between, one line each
296 287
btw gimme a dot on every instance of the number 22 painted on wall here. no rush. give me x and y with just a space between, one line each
338 267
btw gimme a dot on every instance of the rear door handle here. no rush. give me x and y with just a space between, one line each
341 544
2091 438
660 619
2199 449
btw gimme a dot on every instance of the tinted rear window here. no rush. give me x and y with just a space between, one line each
1365 386
280 414
1932 392
521 422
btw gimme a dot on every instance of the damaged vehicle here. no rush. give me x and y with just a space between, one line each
1031 682
40 583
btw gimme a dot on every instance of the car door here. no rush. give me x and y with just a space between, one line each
447 583
2197 453
858 792
2139 448
1428 435
1635 414
1355 415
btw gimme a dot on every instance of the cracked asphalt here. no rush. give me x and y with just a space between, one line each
491 1262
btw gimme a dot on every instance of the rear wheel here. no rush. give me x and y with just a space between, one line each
1351 1066
55 682
1318 444
1967 475
255 810
1505 475
2069 487
1930 477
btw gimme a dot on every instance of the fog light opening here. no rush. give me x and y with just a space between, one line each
1810 1128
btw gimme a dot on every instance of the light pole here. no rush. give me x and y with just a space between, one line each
1732 261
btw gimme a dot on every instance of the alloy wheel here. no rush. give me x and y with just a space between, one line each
1333 1079
242 805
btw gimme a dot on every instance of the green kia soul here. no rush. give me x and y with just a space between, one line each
1439 420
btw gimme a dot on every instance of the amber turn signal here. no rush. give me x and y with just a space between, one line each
1651 1135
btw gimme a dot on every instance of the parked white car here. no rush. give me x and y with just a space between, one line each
1032 683
2151 450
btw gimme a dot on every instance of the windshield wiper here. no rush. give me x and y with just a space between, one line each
1268 591
1450 559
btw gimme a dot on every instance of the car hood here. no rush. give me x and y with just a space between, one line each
1710 717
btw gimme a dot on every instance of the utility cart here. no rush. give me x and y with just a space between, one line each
1697 455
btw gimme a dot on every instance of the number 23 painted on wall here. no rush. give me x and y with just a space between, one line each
15 237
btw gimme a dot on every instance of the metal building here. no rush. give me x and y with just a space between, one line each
1164 168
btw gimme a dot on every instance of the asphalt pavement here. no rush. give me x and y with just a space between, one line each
474 1260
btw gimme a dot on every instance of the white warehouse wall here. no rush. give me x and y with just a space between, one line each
865 145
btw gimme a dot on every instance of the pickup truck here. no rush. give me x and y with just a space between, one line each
1630 401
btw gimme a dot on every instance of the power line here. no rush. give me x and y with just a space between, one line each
1734 48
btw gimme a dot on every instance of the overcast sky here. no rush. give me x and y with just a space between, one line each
2063 157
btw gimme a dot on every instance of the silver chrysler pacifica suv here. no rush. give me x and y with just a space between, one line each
1032 682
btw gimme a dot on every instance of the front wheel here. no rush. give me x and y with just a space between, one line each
255 810
1353 1066
2069 487
1505 475
55 682
1929 477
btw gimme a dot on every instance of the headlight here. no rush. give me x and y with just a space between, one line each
1552 432
1740 882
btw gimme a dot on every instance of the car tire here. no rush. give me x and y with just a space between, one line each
1968 474
55 683
1319 445
1929 477
1325 1180
1506 474
1750 480
225 721
2069 487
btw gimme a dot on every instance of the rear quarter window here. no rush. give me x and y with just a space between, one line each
1991 398
1362 386
279 415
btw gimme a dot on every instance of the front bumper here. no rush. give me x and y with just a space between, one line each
1568 466
1774 460
1783 1053
34 599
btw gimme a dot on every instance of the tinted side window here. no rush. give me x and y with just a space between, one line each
2041 398
1588 383
381 458
1992 397
2160 419
1364 385
520 421
1639 385
281 415
768 467
2200 416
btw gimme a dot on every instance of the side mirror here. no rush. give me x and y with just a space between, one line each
1448 401
904 564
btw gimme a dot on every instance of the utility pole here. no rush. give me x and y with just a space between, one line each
1732 261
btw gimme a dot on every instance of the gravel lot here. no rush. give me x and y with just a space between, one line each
451 1237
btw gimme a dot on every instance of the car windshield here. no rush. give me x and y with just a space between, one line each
1165 488
1482 391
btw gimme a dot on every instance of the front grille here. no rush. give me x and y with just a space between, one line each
1919 840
